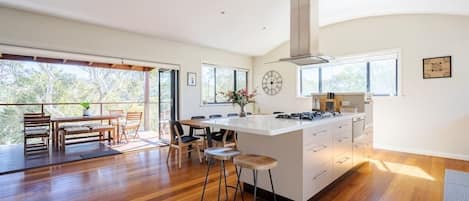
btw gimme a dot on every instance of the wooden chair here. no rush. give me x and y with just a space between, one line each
179 141
117 113
36 125
132 123
225 138
117 123
204 134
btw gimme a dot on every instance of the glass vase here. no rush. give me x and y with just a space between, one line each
242 113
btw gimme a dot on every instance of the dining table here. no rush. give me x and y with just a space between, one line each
56 121
197 124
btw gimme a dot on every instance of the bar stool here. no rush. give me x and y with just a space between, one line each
255 163
222 154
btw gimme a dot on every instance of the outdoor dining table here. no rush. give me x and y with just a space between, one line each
197 124
59 120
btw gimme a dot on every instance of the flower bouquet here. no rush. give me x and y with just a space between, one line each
241 97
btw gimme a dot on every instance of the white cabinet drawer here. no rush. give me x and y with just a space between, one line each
316 180
342 145
342 127
316 155
316 135
342 164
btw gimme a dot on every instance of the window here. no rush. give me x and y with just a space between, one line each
383 77
219 79
344 78
310 83
377 75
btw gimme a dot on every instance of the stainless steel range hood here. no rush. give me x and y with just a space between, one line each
304 31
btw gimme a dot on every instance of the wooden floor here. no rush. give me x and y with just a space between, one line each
144 175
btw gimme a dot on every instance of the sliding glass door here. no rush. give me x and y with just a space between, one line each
168 101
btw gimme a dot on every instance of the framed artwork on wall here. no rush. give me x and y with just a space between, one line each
191 79
437 67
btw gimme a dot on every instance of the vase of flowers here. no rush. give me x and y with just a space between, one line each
86 108
241 97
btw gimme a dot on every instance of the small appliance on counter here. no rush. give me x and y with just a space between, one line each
339 102
330 102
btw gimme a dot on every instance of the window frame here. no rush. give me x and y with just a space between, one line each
235 83
368 58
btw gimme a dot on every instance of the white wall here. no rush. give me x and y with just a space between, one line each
432 116
34 30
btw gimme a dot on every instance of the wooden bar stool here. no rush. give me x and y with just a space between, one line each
222 154
255 163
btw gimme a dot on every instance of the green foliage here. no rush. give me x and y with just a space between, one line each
85 105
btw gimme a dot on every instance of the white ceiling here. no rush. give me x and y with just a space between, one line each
240 29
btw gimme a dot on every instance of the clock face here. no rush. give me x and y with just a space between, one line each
272 83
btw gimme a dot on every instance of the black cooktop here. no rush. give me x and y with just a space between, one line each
308 115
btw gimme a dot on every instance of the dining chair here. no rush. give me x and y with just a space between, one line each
225 138
215 116
132 123
36 125
116 122
116 112
179 141
204 132
232 115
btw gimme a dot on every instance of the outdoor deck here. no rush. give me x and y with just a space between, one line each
12 158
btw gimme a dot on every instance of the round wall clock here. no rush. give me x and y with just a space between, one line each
272 83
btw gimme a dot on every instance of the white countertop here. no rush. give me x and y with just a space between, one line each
269 125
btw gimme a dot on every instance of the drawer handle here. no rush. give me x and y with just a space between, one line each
320 174
320 149
343 161
342 139
317 133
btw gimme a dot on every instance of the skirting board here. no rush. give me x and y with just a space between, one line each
422 152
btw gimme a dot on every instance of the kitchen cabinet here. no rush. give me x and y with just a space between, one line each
328 154
311 154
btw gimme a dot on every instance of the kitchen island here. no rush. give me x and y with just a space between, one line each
311 154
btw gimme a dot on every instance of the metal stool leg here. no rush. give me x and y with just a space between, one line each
254 174
272 185
206 179
224 175
238 184
219 180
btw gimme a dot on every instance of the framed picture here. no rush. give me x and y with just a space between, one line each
437 67
191 79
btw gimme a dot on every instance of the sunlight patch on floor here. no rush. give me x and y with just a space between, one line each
144 141
398 168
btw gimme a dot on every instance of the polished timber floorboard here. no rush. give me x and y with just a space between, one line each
144 175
